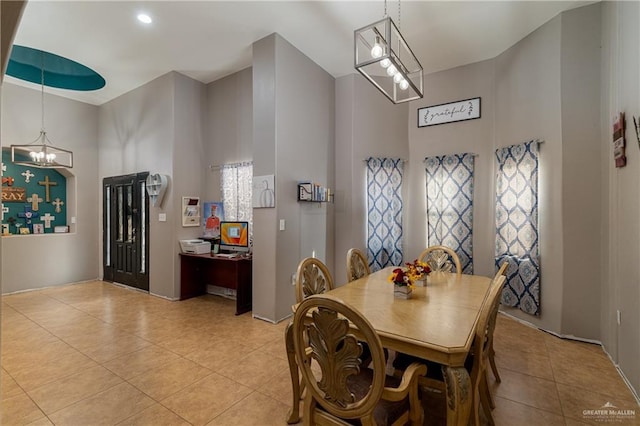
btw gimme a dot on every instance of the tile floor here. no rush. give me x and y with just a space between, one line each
99 354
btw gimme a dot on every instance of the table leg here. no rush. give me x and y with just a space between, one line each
294 412
458 390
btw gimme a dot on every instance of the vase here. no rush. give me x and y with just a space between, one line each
421 282
402 291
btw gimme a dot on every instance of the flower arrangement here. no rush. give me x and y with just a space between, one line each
401 277
418 269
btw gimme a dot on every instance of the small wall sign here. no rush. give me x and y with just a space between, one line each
468 109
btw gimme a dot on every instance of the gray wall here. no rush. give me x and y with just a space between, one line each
229 126
528 106
38 261
136 135
582 190
621 188
367 125
158 128
293 111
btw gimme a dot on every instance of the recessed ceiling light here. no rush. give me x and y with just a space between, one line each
144 18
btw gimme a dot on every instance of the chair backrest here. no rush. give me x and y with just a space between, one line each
357 265
322 333
503 269
439 259
312 277
481 342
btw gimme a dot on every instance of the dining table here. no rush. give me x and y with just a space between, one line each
437 323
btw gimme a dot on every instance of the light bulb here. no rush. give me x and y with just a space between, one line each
377 50
391 71
404 85
397 78
385 63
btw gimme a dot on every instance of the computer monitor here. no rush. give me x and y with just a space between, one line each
234 237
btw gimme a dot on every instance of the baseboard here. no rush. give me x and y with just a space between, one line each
50 286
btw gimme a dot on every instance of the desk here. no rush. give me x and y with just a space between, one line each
438 324
199 270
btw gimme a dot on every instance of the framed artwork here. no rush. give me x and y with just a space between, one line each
213 213
38 228
468 109
263 194
24 230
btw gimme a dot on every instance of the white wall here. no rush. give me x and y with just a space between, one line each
46 260
621 188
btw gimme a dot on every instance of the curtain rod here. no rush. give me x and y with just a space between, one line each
213 167
401 159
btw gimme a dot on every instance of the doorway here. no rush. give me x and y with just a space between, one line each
125 230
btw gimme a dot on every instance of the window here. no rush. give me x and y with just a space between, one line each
235 187
517 225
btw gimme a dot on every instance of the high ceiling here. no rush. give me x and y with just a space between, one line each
207 40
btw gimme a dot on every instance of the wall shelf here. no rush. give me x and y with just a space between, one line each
314 193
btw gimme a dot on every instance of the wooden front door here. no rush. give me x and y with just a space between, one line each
126 230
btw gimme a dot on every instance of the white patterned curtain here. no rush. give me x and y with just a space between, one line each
235 186
384 212
517 225
450 205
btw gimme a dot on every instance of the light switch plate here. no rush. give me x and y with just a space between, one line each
162 217
282 224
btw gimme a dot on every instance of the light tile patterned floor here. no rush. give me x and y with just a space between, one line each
99 354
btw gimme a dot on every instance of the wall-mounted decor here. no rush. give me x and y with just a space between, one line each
618 141
468 109
38 228
213 213
263 191
156 186
190 211
28 187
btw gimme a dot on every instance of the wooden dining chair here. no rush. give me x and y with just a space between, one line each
492 327
343 388
441 259
357 265
312 277
476 361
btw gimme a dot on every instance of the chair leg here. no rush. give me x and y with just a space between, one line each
294 412
485 385
492 361
485 399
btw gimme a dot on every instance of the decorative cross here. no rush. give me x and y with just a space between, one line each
58 203
4 169
8 180
47 219
46 183
34 200
27 175
4 210
28 215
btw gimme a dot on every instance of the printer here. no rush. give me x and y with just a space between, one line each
195 246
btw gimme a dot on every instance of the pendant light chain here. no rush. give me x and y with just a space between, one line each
399 26
42 91
385 9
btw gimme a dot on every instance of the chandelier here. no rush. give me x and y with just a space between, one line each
41 152
384 58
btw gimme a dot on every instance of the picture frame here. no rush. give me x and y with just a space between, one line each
466 109
263 195
24 230
213 214
38 228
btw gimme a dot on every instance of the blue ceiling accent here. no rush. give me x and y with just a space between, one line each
26 63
